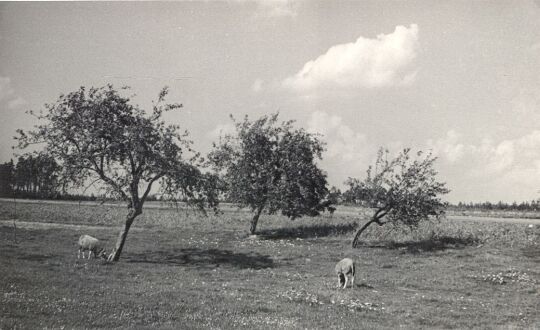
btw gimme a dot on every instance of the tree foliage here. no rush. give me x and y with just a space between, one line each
98 135
271 166
33 176
404 189
36 176
7 179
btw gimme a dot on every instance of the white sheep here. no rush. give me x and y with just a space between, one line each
91 244
344 268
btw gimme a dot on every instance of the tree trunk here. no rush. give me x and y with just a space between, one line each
361 230
121 240
255 219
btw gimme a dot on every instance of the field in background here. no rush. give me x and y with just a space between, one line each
181 269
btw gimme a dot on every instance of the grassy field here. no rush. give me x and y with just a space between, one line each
182 270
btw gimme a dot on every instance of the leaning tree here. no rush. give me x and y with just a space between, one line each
401 190
97 135
271 166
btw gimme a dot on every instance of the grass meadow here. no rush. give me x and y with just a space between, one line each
182 270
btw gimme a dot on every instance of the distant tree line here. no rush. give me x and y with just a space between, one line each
33 176
37 176
500 206
349 198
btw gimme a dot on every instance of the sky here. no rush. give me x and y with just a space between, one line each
459 78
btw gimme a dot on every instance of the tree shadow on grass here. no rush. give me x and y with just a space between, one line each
322 230
435 244
427 245
34 257
532 251
203 258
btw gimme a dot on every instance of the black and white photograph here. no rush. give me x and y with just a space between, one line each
270 164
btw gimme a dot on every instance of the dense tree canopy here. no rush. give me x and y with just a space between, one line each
36 176
98 135
271 166
402 190
7 179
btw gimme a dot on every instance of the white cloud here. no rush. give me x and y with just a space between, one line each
221 130
489 159
8 95
497 158
258 85
16 103
529 145
348 152
380 62
277 8
492 169
526 103
409 78
272 8
6 91
505 170
342 142
448 147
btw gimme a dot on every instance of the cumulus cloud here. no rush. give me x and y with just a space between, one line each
6 91
16 103
277 8
258 85
526 103
507 169
221 130
488 158
8 95
380 62
348 152
342 141
448 146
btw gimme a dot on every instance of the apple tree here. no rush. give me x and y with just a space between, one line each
401 190
271 166
99 135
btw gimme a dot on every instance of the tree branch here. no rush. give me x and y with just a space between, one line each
149 187
108 180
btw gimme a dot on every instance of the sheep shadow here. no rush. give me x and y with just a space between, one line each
322 230
426 245
203 258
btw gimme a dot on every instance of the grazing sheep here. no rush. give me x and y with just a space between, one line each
91 244
344 268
